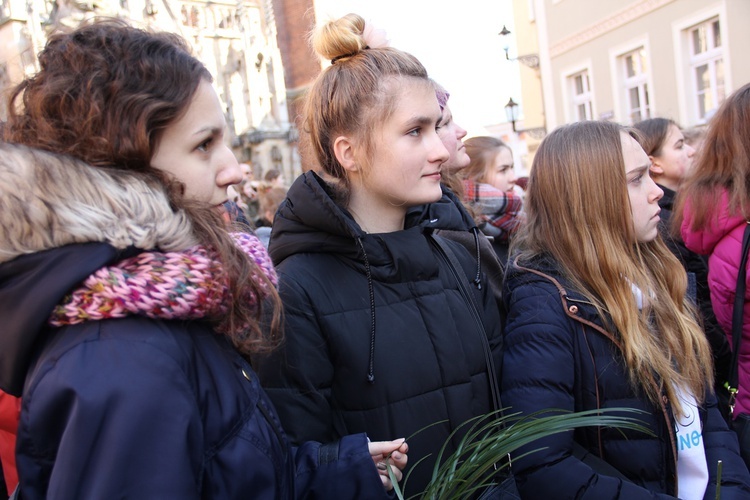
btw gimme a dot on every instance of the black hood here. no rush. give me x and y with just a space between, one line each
310 221
31 286
666 202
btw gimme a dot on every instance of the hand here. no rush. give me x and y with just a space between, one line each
395 454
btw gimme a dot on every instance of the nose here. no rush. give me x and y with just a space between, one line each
656 192
690 150
460 132
437 152
229 169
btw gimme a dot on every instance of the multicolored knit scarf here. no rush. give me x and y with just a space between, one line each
172 285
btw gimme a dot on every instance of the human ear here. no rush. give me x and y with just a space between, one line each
656 168
343 148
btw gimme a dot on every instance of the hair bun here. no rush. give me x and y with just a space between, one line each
340 38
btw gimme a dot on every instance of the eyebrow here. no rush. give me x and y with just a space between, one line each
211 129
638 170
422 120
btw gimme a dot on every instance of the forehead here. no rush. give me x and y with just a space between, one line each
633 154
412 97
204 109
503 156
674 132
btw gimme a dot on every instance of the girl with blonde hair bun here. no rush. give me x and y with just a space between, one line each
598 318
379 337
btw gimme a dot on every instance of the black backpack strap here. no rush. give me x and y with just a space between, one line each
739 304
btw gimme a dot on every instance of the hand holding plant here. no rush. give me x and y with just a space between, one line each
389 456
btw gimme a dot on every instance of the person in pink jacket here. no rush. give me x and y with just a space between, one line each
712 208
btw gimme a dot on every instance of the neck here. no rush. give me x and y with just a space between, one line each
668 183
375 215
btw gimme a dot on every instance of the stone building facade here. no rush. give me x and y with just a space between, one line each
236 40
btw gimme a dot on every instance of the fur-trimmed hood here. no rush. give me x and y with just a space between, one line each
61 220
47 201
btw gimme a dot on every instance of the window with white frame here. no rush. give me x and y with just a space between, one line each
706 66
634 66
580 96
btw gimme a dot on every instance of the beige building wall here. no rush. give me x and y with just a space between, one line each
584 45
533 120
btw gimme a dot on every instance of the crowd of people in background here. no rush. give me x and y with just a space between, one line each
177 328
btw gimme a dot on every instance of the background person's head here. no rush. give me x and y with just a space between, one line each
450 133
723 163
371 118
491 162
274 178
269 200
694 137
670 155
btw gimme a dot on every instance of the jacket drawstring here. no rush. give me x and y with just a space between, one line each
478 277
371 367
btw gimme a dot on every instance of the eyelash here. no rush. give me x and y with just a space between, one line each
203 146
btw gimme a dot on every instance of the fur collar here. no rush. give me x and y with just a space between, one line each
48 201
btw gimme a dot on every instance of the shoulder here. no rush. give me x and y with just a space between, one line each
537 296
540 278
124 348
311 270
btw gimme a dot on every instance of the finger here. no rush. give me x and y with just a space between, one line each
399 459
384 469
397 474
387 484
384 447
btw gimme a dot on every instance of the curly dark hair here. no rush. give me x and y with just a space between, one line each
104 94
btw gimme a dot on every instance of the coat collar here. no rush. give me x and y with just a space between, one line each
48 201
311 221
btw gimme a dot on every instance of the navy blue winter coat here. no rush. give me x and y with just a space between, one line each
134 407
142 408
559 355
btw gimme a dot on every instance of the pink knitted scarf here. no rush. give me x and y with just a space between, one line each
171 285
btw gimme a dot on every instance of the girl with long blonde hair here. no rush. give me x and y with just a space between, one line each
597 318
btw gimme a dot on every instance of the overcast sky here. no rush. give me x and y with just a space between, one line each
459 46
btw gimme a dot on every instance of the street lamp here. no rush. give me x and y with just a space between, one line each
511 112
504 33
530 60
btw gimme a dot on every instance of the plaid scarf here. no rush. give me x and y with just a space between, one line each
500 210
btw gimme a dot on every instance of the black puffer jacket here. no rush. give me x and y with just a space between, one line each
378 336
559 355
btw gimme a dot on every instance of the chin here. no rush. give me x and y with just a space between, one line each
426 198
